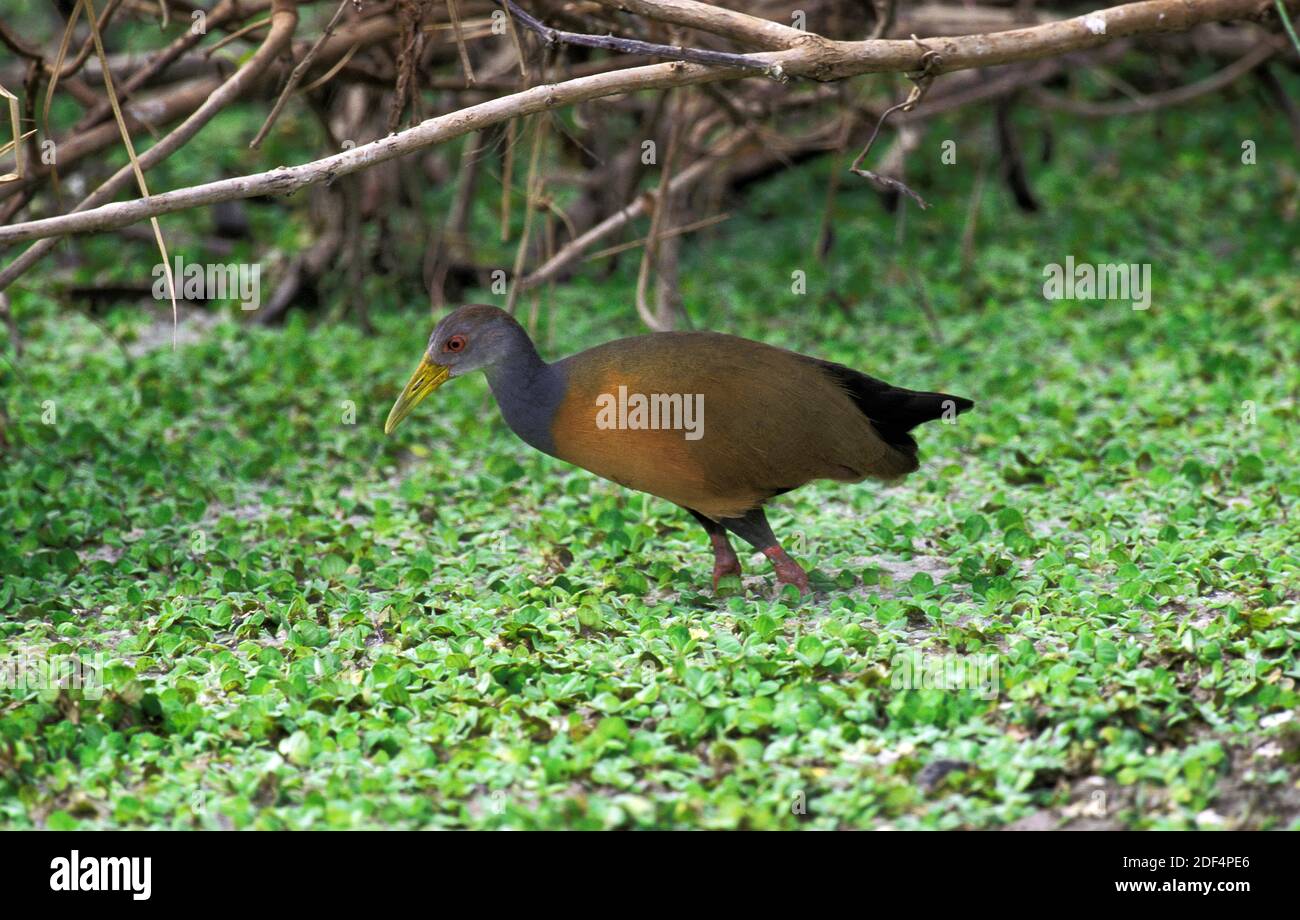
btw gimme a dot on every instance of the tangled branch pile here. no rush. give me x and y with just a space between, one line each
608 125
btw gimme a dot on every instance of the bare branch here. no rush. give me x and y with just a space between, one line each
739 27
884 10
284 20
460 42
1149 103
298 73
813 57
621 218
632 46
931 62
532 192
655 321
224 11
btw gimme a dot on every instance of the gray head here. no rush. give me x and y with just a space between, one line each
473 337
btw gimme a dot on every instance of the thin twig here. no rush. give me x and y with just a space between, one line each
236 35
54 79
130 152
298 73
931 62
752 31
633 46
448 241
57 73
158 63
519 46
508 177
663 196
333 71
825 232
11 103
884 10
1177 96
574 249
972 217
1286 23
460 42
532 187
18 46
665 235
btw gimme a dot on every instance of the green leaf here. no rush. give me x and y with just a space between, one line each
297 748
810 650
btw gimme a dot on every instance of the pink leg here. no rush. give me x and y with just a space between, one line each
725 561
724 557
788 572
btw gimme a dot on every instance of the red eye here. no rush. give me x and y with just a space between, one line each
455 343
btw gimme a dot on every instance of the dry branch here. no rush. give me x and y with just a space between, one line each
1178 96
298 73
795 53
284 19
632 46
739 27
621 218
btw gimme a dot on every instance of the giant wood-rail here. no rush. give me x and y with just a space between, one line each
749 421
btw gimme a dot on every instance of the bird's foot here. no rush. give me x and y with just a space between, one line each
788 572
725 561
722 569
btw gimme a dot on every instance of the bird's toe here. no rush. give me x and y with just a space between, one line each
724 567
788 572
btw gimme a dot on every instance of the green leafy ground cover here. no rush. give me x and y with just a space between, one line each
309 625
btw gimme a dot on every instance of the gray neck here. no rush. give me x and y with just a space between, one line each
528 391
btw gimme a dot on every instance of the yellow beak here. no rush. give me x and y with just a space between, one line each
427 378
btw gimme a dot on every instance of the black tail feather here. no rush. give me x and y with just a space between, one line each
894 411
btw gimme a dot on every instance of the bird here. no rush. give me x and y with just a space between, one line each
714 423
